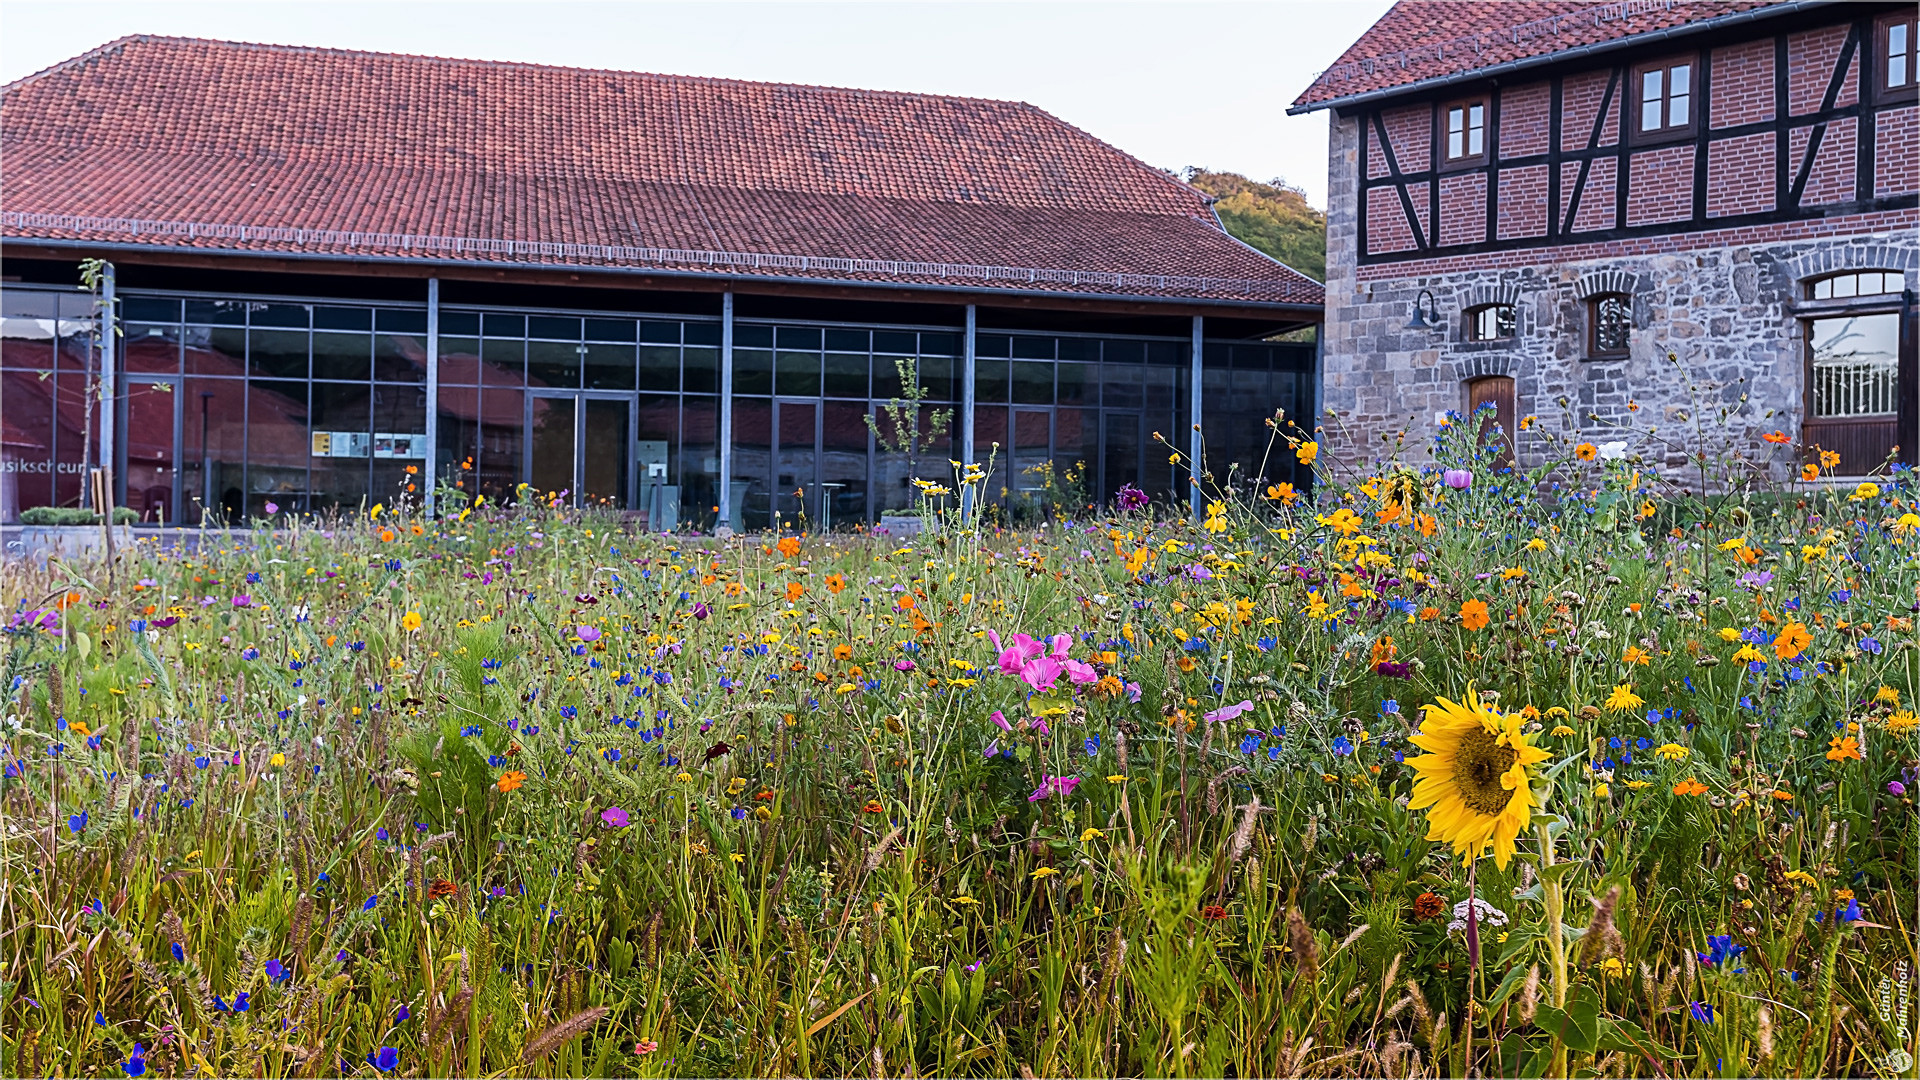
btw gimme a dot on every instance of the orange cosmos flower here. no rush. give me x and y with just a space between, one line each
835 583
1473 615
789 546
1844 748
1778 438
1689 786
795 591
511 781
1792 640
1586 451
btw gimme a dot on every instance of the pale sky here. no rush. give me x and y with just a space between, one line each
1175 83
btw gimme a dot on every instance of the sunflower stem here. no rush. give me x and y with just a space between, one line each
1556 943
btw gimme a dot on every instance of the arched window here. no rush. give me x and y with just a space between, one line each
1609 325
1856 283
1490 322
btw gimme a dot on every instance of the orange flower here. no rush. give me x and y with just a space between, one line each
875 806
1383 651
905 602
1425 524
835 583
1792 640
1636 655
789 546
1778 438
511 781
1473 615
386 536
1586 451
441 887
1809 472
1829 459
843 652
795 591
1844 748
1428 614
734 588
1689 786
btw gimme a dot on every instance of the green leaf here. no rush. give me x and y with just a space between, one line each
1578 1025
1629 1037
1560 870
83 645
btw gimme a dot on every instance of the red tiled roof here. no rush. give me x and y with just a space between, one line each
1419 40
227 146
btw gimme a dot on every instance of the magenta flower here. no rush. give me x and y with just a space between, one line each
1042 674
243 600
701 611
1457 479
273 507
1054 785
1000 718
1079 673
903 665
587 633
614 817
1228 712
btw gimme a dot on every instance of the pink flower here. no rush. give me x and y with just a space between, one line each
1000 718
1042 674
1054 785
1228 712
1040 726
273 507
903 665
1080 674
615 817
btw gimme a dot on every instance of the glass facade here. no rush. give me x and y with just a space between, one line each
230 404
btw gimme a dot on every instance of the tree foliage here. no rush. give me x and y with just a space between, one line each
1273 217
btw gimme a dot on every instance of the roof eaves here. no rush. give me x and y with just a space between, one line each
1717 22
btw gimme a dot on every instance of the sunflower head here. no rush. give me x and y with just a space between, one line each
1475 779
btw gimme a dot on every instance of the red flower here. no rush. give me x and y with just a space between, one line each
1428 906
1213 913
441 889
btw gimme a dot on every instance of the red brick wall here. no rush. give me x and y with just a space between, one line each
1422 208
1387 228
1660 187
1596 201
1810 60
1526 120
1463 208
1834 174
1579 100
1896 159
1523 202
1742 84
1740 175
1410 130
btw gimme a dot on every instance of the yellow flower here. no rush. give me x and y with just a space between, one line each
1801 877
410 621
1867 490
1045 871
1561 731
1117 778
1902 722
1729 635
1305 452
963 900
1091 835
1623 699
1536 544
1672 752
1475 779
278 761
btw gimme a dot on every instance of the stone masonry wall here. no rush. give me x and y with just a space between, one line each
1722 301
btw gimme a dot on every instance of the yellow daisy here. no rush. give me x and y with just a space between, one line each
1473 780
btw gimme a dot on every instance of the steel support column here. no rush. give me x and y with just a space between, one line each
966 407
1195 445
723 513
109 403
430 473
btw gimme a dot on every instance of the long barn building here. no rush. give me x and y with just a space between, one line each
338 274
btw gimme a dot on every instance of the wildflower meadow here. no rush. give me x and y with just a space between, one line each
1433 769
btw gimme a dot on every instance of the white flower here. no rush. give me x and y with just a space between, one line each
1614 451
1488 915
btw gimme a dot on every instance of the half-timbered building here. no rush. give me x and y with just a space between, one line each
1683 225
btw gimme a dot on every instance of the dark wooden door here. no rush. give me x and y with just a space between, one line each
1496 390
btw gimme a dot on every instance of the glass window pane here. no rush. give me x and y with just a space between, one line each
496 325
854 341
1076 384
700 370
1678 110
1123 352
277 353
753 337
658 463
1033 384
797 373
609 367
217 312
338 449
1846 285
659 367
798 337
344 318
506 363
888 380
990 382
659 333
1855 365
700 458
1079 348
936 376
1033 348
1680 80
281 315
277 446
932 344
459 361
610 329
1650 83
1823 289
553 363
460 323
846 376
996 345
458 439
703 333
145 309
343 356
401 320
400 357
553 328
753 374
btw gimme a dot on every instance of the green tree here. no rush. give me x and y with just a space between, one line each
1272 217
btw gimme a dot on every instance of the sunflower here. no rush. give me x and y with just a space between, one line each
1474 778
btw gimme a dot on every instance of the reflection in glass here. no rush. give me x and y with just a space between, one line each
605 454
340 446
843 464
1855 365
550 444
277 447
796 461
150 463
752 481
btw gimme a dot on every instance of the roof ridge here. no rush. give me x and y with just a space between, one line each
178 39
73 61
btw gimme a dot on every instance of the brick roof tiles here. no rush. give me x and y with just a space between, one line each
1419 40
229 146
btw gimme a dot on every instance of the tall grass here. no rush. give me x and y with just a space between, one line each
768 826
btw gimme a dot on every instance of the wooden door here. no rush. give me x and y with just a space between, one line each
1497 391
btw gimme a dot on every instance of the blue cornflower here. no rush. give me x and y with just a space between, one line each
77 822
1092 745
277 971
1341 746
1720 949
371 901
385 1060
179 954
1701 1011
